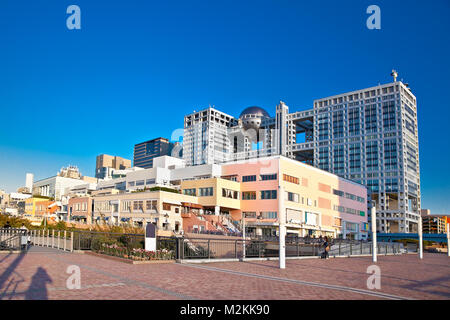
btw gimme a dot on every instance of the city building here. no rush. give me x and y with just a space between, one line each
106 165
33 205
55 187
433 223
80 209
145 152
70 172
213 197
160 207
369 136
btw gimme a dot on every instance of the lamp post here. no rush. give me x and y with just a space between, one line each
420 231
282 227
243 235
448 239
373 216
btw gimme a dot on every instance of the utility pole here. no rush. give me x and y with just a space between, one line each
448 239
373 216
420 238
243 235
282 227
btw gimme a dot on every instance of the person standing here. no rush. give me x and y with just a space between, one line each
326 245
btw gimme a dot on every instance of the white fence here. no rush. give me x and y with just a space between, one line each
62 240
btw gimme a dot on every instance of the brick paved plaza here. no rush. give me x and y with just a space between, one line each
41 274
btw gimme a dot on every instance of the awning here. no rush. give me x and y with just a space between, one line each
191 205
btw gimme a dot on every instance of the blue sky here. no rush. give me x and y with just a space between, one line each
137 67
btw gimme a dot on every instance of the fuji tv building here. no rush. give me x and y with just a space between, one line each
368 136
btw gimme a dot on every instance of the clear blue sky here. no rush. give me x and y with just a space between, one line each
137 67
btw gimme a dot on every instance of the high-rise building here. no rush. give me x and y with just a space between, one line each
145 152
368 136
106 165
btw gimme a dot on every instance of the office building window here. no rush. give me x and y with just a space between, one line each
248 178
291 179
227 193
190 192
269 214
249 195
265 177
290 196
268 194
206 192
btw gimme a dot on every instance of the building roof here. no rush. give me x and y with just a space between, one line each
254 110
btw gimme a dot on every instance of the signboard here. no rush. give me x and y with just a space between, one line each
150 237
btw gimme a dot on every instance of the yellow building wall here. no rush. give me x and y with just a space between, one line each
216 199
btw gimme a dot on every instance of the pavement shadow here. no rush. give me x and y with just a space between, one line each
9 271
38 287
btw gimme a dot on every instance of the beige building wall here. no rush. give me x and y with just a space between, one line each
160 207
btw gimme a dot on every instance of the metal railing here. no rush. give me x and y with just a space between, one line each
265 247
12 239
58 239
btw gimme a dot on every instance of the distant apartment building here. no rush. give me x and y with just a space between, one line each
369 136
159 207
106 165
145 152
55 187
70 172
433 223
80 209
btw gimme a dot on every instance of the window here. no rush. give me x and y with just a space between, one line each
338 193
150 181
265 177
227 193
249 214
249 195
269 214
268 194
294 197
151 204
291 179
338 222
131 184
140 183
126 205
167 206
206 192
190 192
248 178
311 218
138 205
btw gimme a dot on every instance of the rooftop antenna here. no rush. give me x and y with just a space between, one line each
394 74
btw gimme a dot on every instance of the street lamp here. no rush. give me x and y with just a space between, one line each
282 228
373 216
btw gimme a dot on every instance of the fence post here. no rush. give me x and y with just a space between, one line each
351 247
59 239
361 247
65 239
209 252
298 249
71 241
53 238
235 249
340 247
